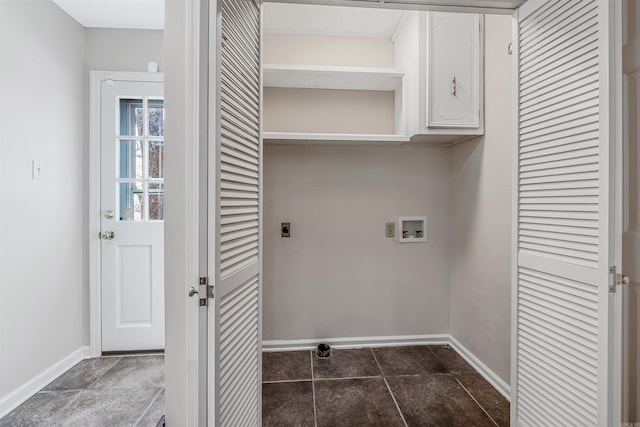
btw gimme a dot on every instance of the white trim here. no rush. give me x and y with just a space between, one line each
498 383
18 396
515 39
395 341
196 71
356 342
95 285
617 189
455 6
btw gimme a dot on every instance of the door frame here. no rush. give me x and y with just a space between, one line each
95 252
189 32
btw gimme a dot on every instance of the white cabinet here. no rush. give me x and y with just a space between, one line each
442 54
453 71
423 84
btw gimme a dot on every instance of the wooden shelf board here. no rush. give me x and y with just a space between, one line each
344 78
332 139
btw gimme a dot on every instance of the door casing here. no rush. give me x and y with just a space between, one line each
190 26
95 281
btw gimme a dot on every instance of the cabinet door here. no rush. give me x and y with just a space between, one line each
453 70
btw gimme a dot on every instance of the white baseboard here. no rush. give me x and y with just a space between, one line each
493 379
396 341
11 401
355 342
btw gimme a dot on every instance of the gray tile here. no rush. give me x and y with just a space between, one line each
154 413
411 360
488 397
355 402
286 366
134 372
346 364
436 400
451 359
287 404
38 410
82 375
105 407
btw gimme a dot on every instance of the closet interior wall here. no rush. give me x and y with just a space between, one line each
337 276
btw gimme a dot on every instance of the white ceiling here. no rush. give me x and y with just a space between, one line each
279 18
140 14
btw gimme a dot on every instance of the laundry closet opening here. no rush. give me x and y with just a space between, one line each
372 116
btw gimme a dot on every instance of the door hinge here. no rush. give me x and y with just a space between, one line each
206 290
616 279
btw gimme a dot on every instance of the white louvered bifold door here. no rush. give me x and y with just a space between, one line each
561 372
238 186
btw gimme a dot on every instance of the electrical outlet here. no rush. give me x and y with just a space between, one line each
285 229
389 229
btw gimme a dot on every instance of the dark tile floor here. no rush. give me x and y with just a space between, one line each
106 391
393 386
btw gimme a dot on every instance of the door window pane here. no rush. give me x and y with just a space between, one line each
156 202
140 159
131 195
131 117
156 159
156 117
130 159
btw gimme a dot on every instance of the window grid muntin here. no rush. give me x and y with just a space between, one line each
145 139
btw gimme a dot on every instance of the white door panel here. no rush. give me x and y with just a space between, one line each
562 359
236 318
131 199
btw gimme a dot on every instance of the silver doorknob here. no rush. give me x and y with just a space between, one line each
107 235
109 214
192 291
624 280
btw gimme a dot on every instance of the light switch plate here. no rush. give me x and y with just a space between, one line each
36 170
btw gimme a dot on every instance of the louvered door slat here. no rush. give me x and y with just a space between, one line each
578 93
578 372
544 21
250 91
559 160
238 209
561 244
559 230
575 30
576 84
565 384
558 144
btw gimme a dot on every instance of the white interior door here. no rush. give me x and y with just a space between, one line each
132 228
562 363
631 235
235 381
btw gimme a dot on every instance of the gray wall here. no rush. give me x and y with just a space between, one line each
123 50
338 276
41 234
480 256
109 49
45 58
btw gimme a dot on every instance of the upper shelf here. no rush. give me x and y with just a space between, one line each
298 138
345 78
